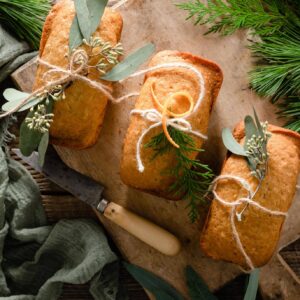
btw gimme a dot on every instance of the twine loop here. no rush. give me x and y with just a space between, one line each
153 115
234 204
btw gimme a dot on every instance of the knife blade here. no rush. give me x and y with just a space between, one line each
90 191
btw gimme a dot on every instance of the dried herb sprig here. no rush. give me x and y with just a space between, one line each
254 149
107 53
192 178
34 131
41 120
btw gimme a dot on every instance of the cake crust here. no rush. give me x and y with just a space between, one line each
258 232
78 118
167 81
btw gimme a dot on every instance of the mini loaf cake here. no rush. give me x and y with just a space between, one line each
79 117
164 82
258 231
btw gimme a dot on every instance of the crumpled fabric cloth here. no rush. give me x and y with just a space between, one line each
35 258
13 53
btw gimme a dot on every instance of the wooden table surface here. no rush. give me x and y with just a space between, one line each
53 194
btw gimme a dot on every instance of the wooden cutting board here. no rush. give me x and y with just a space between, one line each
163 24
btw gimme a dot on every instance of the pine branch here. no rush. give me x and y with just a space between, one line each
192 178
290 109
25 18
277 22
278 73
225 17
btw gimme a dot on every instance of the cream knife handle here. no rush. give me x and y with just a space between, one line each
148 232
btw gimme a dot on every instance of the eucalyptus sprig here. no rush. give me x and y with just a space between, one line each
197 288
254 149
34 131
192 178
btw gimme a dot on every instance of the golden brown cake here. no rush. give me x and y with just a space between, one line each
258 231
79 117
167 81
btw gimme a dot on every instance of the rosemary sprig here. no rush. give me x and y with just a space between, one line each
192 178
25 18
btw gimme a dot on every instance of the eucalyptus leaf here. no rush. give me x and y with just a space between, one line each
83 17
130 64
259 128
11 94
96 10
75 36
198 290
250 129
13 103
29 139
252 285
42 149
231 144
157 286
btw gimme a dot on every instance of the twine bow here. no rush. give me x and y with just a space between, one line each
167 117
78 64
234 204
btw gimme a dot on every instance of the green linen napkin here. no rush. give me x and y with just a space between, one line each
13 53
36 259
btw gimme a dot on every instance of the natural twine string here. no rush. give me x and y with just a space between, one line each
234 204
154 116
78 63
70 74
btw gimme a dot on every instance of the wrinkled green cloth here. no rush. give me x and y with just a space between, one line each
36 259
13 53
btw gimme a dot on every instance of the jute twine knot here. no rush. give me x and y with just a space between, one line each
234 204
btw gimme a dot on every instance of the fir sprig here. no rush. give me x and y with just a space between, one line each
25 18
192 178
225 17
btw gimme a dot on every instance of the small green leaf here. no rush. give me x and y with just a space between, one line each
252 285
12 104
259 128
157 286
130 64
75 36
83 17
198 290
231 144
43 148
13 94
96 9
250 129
29 139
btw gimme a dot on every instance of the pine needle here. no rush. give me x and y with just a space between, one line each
225 17
192 178
25 18
278 73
